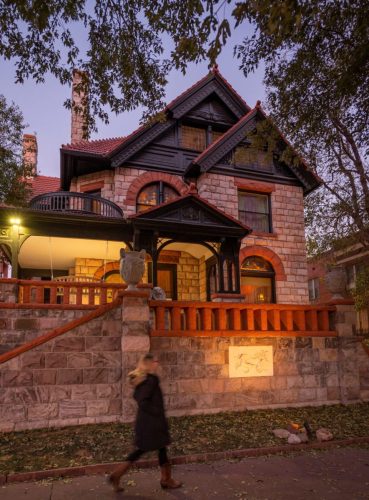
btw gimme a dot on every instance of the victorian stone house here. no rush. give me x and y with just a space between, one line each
218 216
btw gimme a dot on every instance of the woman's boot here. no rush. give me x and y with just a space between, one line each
115 476
167 482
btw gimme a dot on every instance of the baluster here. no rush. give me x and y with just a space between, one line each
160 317
191 318
26 294
53 290
236 319
176 318
323 320
250 320
91 295
40 295
287 320
79 292
66 294
312 320
103 295
275 319
299 317
263 319
206 318
221 319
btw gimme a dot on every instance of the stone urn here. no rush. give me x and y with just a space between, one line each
132 267
335 280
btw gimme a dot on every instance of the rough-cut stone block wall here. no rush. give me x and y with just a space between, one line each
18 326
73 379
188 277
287 241
195 374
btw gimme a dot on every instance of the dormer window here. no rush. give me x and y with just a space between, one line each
193 138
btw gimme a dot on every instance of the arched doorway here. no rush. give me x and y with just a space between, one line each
257 280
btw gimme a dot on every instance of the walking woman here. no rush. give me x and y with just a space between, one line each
151 427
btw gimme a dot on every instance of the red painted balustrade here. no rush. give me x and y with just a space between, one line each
225 318
67 294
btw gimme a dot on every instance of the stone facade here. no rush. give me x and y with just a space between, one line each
286 242
284 247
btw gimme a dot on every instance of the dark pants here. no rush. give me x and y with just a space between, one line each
136 454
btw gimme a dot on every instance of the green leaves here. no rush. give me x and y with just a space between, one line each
13 171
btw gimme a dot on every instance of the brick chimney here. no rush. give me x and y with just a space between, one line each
30 151
79 128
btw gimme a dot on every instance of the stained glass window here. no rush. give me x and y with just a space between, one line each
193 138
154 194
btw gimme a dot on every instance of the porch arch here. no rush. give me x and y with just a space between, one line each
267 254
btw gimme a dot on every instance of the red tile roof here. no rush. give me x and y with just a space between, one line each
101 147
44 184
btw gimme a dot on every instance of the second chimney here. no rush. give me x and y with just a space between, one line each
79 128
30 151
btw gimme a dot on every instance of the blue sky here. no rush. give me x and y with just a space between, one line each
43 110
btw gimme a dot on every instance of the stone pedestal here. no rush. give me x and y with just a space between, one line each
135 342
9 291
348 351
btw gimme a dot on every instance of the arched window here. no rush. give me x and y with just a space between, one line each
257 280
154 194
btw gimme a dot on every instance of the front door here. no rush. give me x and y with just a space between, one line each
167 279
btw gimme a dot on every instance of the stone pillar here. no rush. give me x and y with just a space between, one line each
348 351
30 151
135 342
9 291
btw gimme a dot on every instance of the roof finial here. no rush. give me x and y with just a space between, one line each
192 189
215 68
258 104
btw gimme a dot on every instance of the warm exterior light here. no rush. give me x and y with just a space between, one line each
15 221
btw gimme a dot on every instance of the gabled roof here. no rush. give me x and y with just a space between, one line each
236 134
41 184
191 211
213 82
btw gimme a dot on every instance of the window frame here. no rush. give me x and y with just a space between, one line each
241 192
159 193
315 289
209 129
261 274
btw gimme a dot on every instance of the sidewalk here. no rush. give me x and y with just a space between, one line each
325 475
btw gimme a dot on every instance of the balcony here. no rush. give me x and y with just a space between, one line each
76 203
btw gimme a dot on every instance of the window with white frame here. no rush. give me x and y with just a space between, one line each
314 289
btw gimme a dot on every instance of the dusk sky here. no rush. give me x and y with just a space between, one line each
43 110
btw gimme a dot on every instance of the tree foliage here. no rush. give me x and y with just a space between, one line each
316 62
14 187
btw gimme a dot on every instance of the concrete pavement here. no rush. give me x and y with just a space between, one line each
339 474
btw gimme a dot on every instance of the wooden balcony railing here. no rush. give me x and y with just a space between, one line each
78 203
72 294
223 319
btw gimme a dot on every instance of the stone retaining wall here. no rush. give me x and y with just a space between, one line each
73 379
307 371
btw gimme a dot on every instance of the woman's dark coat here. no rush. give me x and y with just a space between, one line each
151 428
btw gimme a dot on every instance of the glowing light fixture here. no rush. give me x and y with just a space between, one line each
15 221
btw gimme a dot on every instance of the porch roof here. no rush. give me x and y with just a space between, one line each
190 217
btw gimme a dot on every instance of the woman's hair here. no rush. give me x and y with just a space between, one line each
139 374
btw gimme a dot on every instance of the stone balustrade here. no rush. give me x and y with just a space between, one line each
222 318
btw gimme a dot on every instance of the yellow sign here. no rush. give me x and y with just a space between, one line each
251 361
